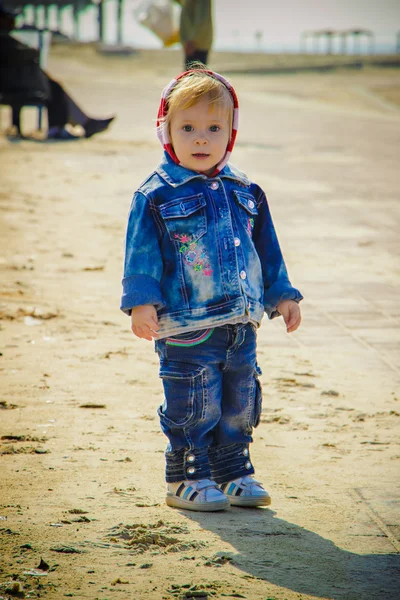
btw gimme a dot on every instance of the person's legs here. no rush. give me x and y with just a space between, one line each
76 116
192 380
240 409
212 402
57 106
62 109
197 56
229 458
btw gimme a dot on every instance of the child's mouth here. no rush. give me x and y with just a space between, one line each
200 155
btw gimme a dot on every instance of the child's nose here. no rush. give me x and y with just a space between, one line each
201 139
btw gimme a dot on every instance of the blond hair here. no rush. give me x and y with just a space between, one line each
192 88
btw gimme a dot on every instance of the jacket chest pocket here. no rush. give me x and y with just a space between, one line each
185 218
247 209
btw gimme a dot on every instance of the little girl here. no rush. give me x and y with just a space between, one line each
202 264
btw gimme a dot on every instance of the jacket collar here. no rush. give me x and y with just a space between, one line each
175 175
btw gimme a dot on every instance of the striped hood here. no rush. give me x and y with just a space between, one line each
163 133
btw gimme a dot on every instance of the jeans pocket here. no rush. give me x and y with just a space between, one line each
256 413
190 338
185 392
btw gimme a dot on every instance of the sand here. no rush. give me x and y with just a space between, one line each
82 510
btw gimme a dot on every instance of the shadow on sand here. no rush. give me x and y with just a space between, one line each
292 557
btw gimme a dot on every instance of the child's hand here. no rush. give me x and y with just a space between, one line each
144 322
290 311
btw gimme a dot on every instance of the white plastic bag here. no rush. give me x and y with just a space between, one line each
161 17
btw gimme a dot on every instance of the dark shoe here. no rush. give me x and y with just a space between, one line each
61 134
94 126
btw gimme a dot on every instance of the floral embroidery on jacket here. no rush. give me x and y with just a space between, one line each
250 225
192 255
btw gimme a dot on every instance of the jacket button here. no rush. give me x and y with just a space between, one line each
243 275
237 242
214 185
250 204
191 458
246 452
191 470
248 465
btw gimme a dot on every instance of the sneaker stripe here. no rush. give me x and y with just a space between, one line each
231 489
193 496
239 491
188 490
180 489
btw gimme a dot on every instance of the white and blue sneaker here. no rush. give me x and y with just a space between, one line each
246 491
203 495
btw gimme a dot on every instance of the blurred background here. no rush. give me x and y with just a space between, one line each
289 26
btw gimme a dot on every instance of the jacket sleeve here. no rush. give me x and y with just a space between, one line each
143 264
277 286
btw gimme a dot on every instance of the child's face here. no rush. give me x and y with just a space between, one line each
200 135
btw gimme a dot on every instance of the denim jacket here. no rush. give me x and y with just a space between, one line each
203 251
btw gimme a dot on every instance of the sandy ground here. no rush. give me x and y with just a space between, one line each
81 452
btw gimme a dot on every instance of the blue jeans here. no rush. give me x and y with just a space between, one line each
212 402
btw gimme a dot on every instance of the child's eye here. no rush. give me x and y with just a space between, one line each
187 128
214 128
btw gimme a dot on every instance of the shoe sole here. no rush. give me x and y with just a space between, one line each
91 134
250 502
66 139
176 502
